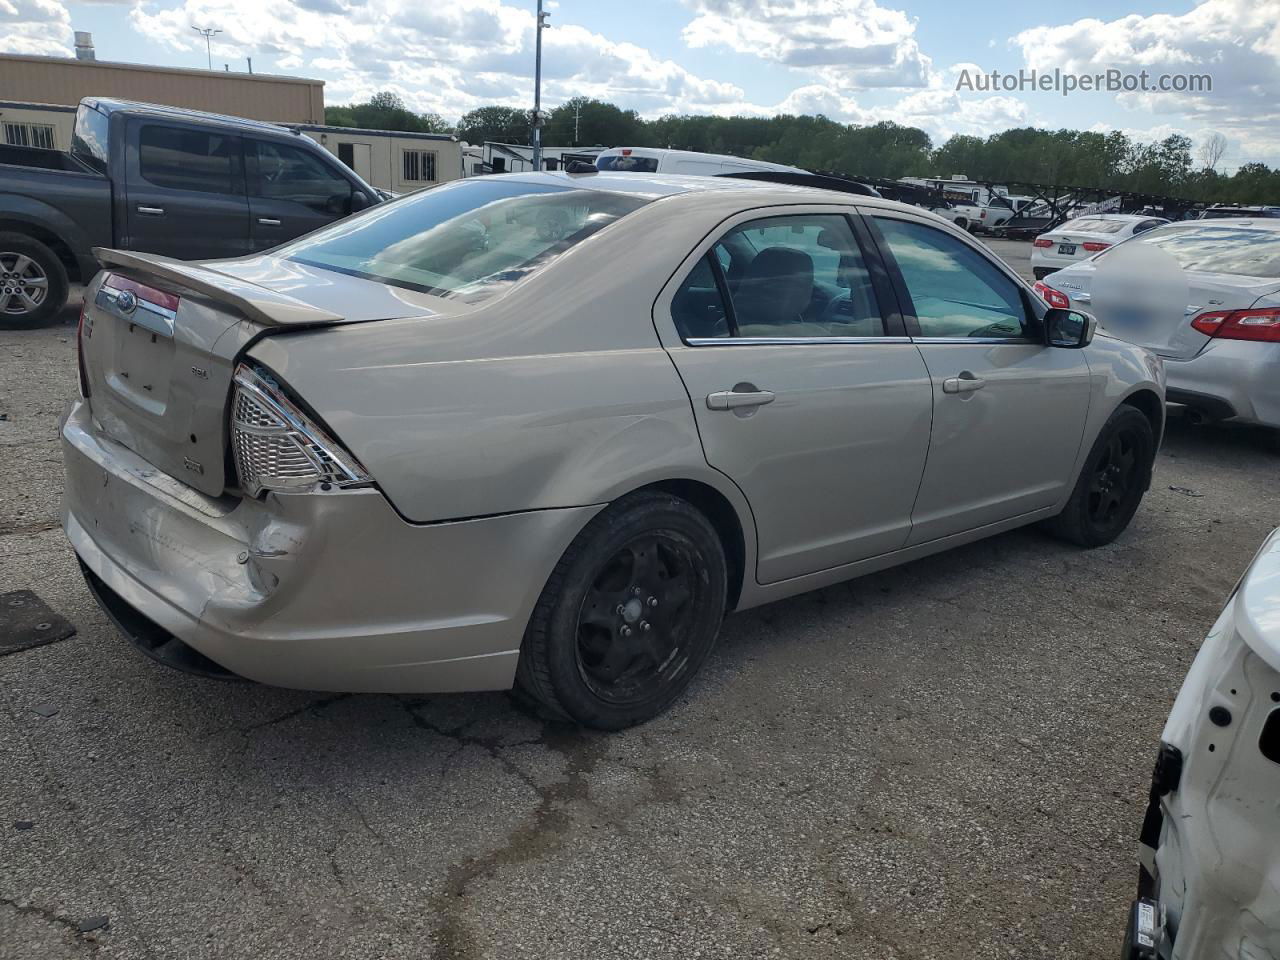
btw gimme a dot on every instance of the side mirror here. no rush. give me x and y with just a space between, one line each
1069 328
358 201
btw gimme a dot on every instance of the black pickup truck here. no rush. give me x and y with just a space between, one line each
183 184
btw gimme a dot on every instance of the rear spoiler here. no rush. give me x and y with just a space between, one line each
259 304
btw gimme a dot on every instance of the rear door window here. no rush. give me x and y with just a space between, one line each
186 159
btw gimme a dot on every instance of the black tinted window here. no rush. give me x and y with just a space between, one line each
299 175
697 308
189 160
957 292
628 164
800 276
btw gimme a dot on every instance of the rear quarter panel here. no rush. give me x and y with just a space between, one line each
557 394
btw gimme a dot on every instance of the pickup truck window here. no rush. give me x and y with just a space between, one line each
89 140
284 172
189 160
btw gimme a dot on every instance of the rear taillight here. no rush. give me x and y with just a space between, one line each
143 293
278 447
84 330
1042 242
1094 247
1258 325
1054 298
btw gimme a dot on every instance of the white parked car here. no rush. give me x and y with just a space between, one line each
1222 354
1209 882
655 160
1084 236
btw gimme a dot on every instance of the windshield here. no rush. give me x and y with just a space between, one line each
627 164
470 238
1094 225
1230 249
89 140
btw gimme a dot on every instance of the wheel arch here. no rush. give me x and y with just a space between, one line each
717 508
1151 406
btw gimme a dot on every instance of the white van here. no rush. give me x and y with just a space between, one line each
657 160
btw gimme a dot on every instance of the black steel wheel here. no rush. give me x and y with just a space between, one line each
628 616
1112 482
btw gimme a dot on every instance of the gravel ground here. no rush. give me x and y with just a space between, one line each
947 760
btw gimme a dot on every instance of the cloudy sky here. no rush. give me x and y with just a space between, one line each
854 60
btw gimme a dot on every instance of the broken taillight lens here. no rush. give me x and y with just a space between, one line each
277 446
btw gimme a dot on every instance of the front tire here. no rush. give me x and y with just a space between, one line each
1115 475
628 616
33 281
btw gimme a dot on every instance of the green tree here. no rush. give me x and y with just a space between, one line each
499 124
584 121
384 111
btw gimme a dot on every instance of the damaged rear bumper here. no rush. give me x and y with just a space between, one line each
323 591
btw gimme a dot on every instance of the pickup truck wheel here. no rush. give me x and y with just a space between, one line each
33 281
1115 475
627 617
962 223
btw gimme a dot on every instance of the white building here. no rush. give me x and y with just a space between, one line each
393 160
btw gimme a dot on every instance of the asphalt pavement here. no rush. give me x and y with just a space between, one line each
946 760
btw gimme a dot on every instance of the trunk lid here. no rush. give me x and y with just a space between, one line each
160 339
1171 336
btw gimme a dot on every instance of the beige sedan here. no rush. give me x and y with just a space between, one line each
546 430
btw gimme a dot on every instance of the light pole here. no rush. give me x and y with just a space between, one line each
207 33
537 88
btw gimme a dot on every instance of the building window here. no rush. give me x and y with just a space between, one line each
419 165
347 154
29 135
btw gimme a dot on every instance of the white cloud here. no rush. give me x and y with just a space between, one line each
447 59
1236 42
41 27
851 44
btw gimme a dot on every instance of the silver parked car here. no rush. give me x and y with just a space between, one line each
1223 354
544 430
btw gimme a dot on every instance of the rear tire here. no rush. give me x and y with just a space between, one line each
628 616
29 270
1114 477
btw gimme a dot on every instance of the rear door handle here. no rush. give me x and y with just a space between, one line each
152 211
268 222
965 383
735 400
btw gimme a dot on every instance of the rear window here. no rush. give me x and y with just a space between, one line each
89 140
470 238
1240 251
1094 225
628 164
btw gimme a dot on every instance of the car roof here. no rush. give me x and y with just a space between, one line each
1253 221
109 105
1124 217
657 185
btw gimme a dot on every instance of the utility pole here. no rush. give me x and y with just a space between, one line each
537 88
207 33
577 115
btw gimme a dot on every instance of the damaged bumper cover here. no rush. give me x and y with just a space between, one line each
1210 846
324 591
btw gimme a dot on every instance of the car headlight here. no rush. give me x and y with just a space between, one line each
278 447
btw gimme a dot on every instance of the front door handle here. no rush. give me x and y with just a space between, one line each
737 400
269 221
152 211
965 383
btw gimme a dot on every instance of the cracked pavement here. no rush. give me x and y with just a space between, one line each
947 760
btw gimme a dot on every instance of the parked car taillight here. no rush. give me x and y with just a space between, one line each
1261 325
84 330
278 447
1094 246
1044 243
1054 298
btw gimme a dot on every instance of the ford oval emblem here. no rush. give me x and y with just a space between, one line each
126 302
